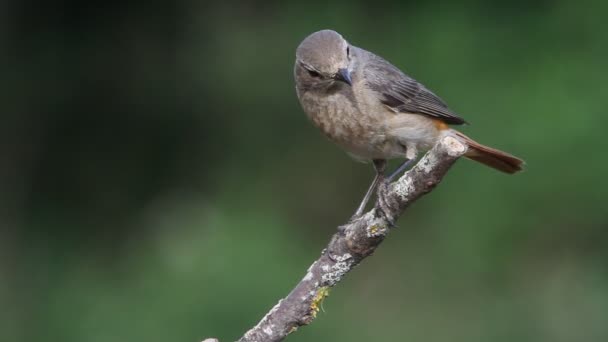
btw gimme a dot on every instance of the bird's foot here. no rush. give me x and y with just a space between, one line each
352 219
385 204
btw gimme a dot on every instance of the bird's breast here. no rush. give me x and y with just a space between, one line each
361 133
335 116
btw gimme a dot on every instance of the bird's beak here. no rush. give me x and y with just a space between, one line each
344 76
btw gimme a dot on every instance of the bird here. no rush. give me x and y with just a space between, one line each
374 111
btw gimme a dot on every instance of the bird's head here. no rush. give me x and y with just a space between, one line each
322 59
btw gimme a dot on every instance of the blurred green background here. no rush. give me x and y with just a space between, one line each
159 182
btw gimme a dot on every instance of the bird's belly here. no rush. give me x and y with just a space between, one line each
413 129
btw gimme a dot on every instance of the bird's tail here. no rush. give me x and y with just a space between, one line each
496 159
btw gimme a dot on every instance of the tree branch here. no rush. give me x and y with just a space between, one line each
354 242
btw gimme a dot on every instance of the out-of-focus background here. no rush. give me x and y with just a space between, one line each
159 181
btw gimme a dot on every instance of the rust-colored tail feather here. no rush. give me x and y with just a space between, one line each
496 159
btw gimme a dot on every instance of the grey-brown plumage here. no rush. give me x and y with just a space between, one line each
372 109
404 94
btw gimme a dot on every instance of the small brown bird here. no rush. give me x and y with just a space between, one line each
375 111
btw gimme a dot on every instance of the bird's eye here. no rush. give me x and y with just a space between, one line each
348 51
313 73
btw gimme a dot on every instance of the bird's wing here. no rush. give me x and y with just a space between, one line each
404 94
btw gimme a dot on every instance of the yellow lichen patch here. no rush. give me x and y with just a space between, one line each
374 229
317 300
293 329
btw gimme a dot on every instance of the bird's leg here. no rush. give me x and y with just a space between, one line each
380 167
410 155
407 163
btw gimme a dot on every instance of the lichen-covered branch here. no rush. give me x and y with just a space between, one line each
354 242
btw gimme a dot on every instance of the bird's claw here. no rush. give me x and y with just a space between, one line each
384 204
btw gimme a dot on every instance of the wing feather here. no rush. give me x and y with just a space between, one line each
404 94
